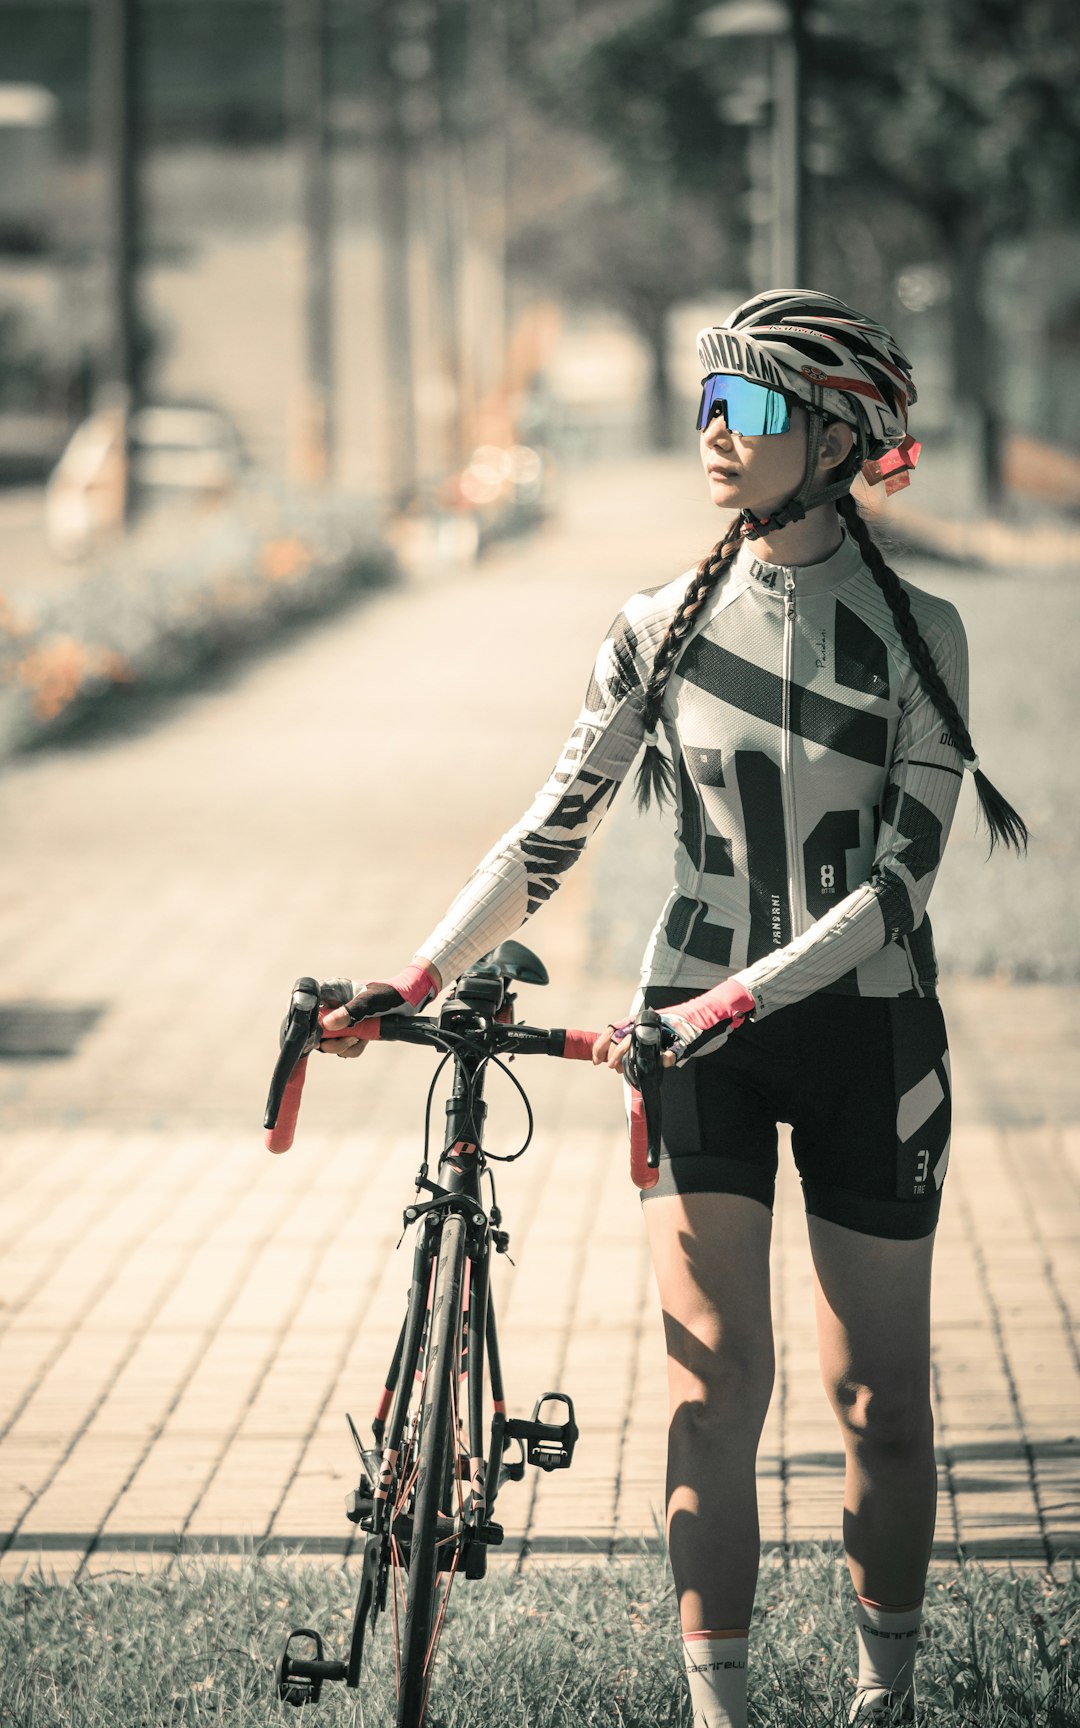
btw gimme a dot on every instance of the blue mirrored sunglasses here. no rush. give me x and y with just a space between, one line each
749 408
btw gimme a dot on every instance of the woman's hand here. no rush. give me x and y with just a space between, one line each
612 1046
695 1027
349 1002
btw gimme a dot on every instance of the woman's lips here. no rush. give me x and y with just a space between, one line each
722 473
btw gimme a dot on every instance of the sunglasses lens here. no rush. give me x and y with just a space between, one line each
748 408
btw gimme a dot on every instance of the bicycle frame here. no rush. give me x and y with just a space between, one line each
424 1503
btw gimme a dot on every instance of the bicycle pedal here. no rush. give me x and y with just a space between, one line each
299 1679
548 1445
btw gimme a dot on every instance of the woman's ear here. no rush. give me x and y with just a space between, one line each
837 443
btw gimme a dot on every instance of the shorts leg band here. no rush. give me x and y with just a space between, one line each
706 1173
901 1220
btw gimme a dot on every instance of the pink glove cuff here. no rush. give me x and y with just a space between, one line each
414 983
727 1001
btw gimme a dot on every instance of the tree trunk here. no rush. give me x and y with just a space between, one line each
399 407
974 370
661 428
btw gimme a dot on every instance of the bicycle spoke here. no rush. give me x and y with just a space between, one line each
432 1649
395 1561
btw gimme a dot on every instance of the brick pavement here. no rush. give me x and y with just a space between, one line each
185 1319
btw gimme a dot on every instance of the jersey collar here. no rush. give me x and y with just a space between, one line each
839 567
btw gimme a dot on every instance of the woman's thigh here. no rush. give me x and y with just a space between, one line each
710 1254
873 1319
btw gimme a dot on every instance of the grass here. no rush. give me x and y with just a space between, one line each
560 1647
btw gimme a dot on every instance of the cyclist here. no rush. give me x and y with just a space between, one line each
814 710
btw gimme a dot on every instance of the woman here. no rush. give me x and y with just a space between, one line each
813 707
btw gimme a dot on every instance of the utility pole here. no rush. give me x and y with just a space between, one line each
307 86
116 127
450 181
394 232
487 134
783 24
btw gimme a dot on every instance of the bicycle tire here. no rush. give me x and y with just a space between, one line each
415 1655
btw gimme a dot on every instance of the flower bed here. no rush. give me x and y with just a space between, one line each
176 598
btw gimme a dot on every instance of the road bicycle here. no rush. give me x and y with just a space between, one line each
431 1477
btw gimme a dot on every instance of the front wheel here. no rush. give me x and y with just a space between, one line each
435 1482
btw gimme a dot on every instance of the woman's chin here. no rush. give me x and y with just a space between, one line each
725 494
760 507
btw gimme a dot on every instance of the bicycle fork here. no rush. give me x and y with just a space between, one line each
383 1504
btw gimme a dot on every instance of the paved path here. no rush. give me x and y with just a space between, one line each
185 1318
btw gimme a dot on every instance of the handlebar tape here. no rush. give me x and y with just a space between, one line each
280 1137
641 1174
577 1045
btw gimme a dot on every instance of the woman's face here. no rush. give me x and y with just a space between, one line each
757 474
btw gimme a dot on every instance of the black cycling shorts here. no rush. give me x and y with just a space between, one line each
864 1083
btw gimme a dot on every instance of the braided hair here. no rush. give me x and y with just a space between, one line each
655 776
1001 819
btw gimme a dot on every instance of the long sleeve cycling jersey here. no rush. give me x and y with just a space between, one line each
815 787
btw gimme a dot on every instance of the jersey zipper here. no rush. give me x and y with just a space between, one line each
787 777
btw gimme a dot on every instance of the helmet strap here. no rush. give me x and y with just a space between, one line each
806 498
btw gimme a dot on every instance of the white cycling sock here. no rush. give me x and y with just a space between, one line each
888 1640
716 1672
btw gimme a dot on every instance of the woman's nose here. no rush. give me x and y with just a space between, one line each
716 431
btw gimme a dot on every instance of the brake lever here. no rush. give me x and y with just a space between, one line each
644 1070
298 1035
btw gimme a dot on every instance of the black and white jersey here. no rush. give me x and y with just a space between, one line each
816 783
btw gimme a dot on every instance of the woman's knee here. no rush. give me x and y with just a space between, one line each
894 1417
728 1390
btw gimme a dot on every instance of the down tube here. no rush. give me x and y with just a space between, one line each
410 1343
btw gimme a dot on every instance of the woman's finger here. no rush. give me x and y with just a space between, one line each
601 1047
342 1047
617 1052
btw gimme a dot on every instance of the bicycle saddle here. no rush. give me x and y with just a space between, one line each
510 960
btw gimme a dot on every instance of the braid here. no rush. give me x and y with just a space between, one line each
655 775
1001 819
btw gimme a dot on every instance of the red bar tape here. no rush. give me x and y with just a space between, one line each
280 1137
579 1045
640 1174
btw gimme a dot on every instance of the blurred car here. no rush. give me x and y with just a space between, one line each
178 450
179 453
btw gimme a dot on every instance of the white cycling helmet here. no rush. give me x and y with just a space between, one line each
839 363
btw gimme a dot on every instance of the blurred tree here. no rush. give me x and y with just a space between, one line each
656 223
642 78
959 117
968 112
639 247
